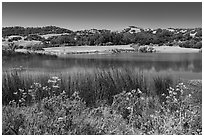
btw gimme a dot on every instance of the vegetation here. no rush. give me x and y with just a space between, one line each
17 30
118 102
107 37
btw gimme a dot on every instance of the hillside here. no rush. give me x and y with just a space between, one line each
52 36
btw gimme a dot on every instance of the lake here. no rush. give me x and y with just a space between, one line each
179 65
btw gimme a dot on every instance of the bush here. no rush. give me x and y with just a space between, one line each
198 45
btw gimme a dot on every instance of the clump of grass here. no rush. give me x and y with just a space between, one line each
161 85
92 87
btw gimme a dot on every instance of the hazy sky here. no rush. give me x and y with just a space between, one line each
114 16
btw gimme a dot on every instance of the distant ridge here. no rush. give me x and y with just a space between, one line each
23 31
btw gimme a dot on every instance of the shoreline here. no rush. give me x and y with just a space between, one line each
122 48
107 50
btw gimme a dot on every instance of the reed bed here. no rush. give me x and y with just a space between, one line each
97 102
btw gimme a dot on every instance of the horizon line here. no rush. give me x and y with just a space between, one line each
103 28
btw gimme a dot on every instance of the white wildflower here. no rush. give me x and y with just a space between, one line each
129 93
55 86
167 97
52 81
21 90
181 90
184 87
142 98
139 91
30 90
55 77
133 91
171 88
60 119
22 99
180 84
44 88
174 93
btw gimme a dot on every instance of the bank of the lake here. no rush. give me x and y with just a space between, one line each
108 50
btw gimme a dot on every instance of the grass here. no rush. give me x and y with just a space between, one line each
92 86
7 54
111 101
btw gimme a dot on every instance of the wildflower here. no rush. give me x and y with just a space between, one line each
171 88
142 98
175 100
63 92
181 91
139 91
60 119
22 99
30 90
177 89
174 93
128 93
37 84
15 93
128 107
151 116
55 86
170 92
167 97
198 130
40 113
133 91
54 77
44 88
163 94
189 95
21 90
24 93
52 81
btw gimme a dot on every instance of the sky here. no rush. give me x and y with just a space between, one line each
113 16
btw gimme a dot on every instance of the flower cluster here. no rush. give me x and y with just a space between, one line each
21 97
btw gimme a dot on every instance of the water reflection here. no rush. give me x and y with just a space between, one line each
183 64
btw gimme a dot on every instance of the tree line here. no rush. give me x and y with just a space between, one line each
107 37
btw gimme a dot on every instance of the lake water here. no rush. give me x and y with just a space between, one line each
179 65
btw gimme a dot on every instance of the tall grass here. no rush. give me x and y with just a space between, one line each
103 101
95 86
161 84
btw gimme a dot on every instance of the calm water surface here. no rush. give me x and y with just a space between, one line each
180 65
